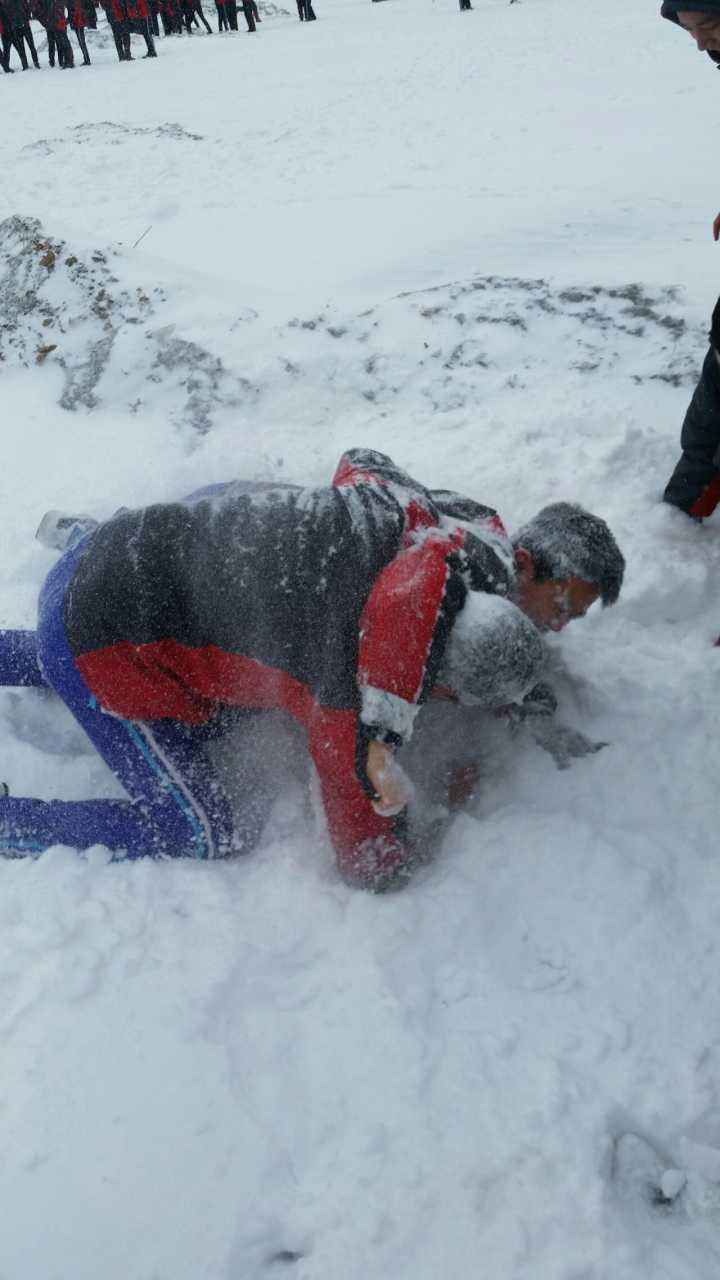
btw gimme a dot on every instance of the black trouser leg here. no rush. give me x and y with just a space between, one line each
117 37
301 10
65 48
201 16
80 37
223 24
310 14
19 43
125 40
147 36
247 11
694 485
28 35
153 22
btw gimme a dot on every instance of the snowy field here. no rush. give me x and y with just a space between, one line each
479 242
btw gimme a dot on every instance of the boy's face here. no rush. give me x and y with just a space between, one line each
553 603
703 27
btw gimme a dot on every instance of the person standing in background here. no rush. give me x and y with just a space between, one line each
16 22
694 486
82 14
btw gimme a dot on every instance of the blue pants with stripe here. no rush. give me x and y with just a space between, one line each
177 805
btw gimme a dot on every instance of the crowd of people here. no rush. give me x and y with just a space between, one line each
145 18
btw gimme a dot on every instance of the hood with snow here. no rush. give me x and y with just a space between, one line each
494 655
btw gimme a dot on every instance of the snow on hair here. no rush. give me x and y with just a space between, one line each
494 654
565 541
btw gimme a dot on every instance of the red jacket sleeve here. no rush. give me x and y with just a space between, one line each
370 851
408 614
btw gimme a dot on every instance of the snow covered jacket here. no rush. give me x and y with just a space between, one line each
334 604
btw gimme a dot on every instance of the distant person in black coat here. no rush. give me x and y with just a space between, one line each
5 45
82 14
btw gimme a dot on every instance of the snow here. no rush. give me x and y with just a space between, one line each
480 243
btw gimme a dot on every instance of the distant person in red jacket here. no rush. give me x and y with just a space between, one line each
128 17
15 17
51 14
171 17
345 607
192 11
82 14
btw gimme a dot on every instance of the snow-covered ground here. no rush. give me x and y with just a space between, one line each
479 242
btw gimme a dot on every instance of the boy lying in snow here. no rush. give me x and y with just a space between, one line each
345 606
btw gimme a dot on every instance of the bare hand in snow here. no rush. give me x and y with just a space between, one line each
393 789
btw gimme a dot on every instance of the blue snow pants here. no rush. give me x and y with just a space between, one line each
177 806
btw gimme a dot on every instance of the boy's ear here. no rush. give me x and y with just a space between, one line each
524 564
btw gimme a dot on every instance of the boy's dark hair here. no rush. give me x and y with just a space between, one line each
565 541
670 8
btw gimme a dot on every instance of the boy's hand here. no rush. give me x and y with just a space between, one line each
563 743
393 789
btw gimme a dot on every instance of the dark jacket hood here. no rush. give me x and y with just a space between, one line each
670 10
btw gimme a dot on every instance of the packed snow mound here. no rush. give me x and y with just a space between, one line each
67 306
442 350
